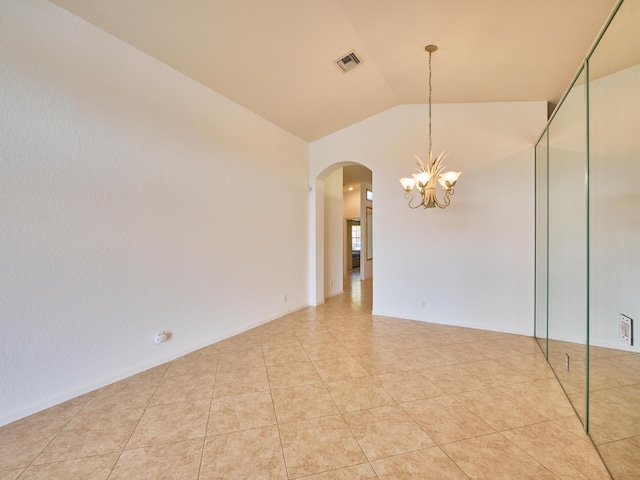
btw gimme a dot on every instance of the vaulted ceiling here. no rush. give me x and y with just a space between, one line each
276 57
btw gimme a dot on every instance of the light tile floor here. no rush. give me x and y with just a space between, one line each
324 393
614 400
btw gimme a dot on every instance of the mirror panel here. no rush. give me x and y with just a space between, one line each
614 241
567 245
541 333
588 241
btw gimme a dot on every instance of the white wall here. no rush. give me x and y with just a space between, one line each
472 264
123 211
352 203
333 232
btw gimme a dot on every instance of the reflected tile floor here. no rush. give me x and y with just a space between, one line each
328 392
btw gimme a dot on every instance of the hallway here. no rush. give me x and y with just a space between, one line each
328 392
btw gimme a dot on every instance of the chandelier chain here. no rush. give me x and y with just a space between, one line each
430 149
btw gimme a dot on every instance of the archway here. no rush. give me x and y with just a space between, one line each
328 226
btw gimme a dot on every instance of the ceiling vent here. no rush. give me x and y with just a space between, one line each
348 61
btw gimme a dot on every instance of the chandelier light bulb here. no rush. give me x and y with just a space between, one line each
408 184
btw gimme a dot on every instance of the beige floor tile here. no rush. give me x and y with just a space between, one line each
293 374
495 372
358 393
243 380
248 342
213 349
634 440
194 364
338 368
625 368
603 426
318 445
494 457
184 388
524 345
625 395
532 365
360 345
386 431
311 338
408 386
427 464
302 403
170 461
493 350
235 360
417 341
284 355
574 425
91 434
499 409
622 458
274 340
541 396
14 473
356 472
453 379
123 395
250 454
445 419
560 451
22 441
459 353
381 362
317 351
171 422
154 374
598 381
308 326
422 358
88 468
241 412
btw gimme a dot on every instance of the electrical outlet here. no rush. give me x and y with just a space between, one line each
626 329
161 337
284 298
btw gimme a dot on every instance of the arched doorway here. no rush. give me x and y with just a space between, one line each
341 193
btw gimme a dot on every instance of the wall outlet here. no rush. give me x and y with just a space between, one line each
626 329
161 337
284 298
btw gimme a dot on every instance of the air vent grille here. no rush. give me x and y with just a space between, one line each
348 61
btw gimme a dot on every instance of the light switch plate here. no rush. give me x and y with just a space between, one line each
626 329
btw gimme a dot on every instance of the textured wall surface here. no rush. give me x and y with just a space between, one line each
132 200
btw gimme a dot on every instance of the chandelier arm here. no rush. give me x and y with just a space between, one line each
447 197
441 205
409 196
446 200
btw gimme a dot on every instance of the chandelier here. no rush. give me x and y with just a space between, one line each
430 174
